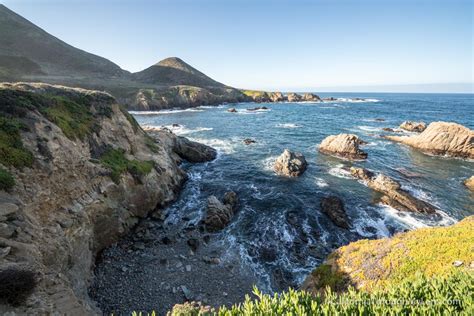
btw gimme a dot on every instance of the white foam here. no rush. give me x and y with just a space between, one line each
369 128
177 129
355 100
340 172
321 183
221 145
404 217
211 106
288 125
269 162
164 111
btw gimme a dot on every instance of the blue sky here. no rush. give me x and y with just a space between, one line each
279 45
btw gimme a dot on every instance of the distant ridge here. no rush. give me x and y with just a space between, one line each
27 50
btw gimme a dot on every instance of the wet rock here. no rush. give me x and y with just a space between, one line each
469 183
380 120
413 126
441 138
344 146
232 110
290 164
392 193
193 243
388 129
219 214
258 108
333 207
249 141
175 125
194 151
330 99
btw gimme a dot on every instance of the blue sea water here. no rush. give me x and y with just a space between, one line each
279 229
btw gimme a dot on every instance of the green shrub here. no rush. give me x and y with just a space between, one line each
12 152
115 160
6 180
442 295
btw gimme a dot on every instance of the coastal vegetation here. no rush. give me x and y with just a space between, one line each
115 160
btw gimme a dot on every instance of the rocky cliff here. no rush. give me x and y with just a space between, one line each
76 173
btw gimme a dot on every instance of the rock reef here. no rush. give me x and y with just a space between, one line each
219 214
290 164
333 207
343 146
413 126
392 193
442 138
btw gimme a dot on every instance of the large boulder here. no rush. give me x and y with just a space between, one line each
311 97
290 164
220 213
294 97
344 146
469 183
413 126
194 151
333 207
392 193
441 138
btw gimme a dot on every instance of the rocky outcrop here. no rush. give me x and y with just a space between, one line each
87 175
311 97
277 97
343 146
392 193
294 97
413 126
442 138
232 110
469 183
290 164
258 108
193 151
333 207
219 214
249 141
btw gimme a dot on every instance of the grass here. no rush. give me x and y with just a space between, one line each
7 181
115 160
254 93
372 264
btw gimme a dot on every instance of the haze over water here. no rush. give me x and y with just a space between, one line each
279 228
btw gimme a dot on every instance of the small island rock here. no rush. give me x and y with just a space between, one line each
413 126
290 164
344 146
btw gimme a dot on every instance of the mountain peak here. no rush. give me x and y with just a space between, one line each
177 63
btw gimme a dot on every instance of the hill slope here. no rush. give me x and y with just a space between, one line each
28 53
27 50
174 71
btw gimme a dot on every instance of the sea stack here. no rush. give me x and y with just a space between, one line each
290 164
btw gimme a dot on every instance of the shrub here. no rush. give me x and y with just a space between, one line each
115 160
6 180
442 295
16 285
12 152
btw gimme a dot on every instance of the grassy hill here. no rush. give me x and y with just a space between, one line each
28 53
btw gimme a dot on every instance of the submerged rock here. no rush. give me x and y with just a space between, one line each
258 108
232 110
388 129
249 141
344 146
442 138
290 164
333 207
219 214
469 183
413 126
393 194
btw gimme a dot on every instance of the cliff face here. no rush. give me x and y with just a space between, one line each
78 173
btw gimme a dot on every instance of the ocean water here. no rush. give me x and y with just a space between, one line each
279 230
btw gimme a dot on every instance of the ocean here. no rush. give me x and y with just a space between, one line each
279 230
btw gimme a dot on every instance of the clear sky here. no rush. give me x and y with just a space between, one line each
344 45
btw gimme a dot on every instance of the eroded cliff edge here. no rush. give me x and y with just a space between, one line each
77 173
